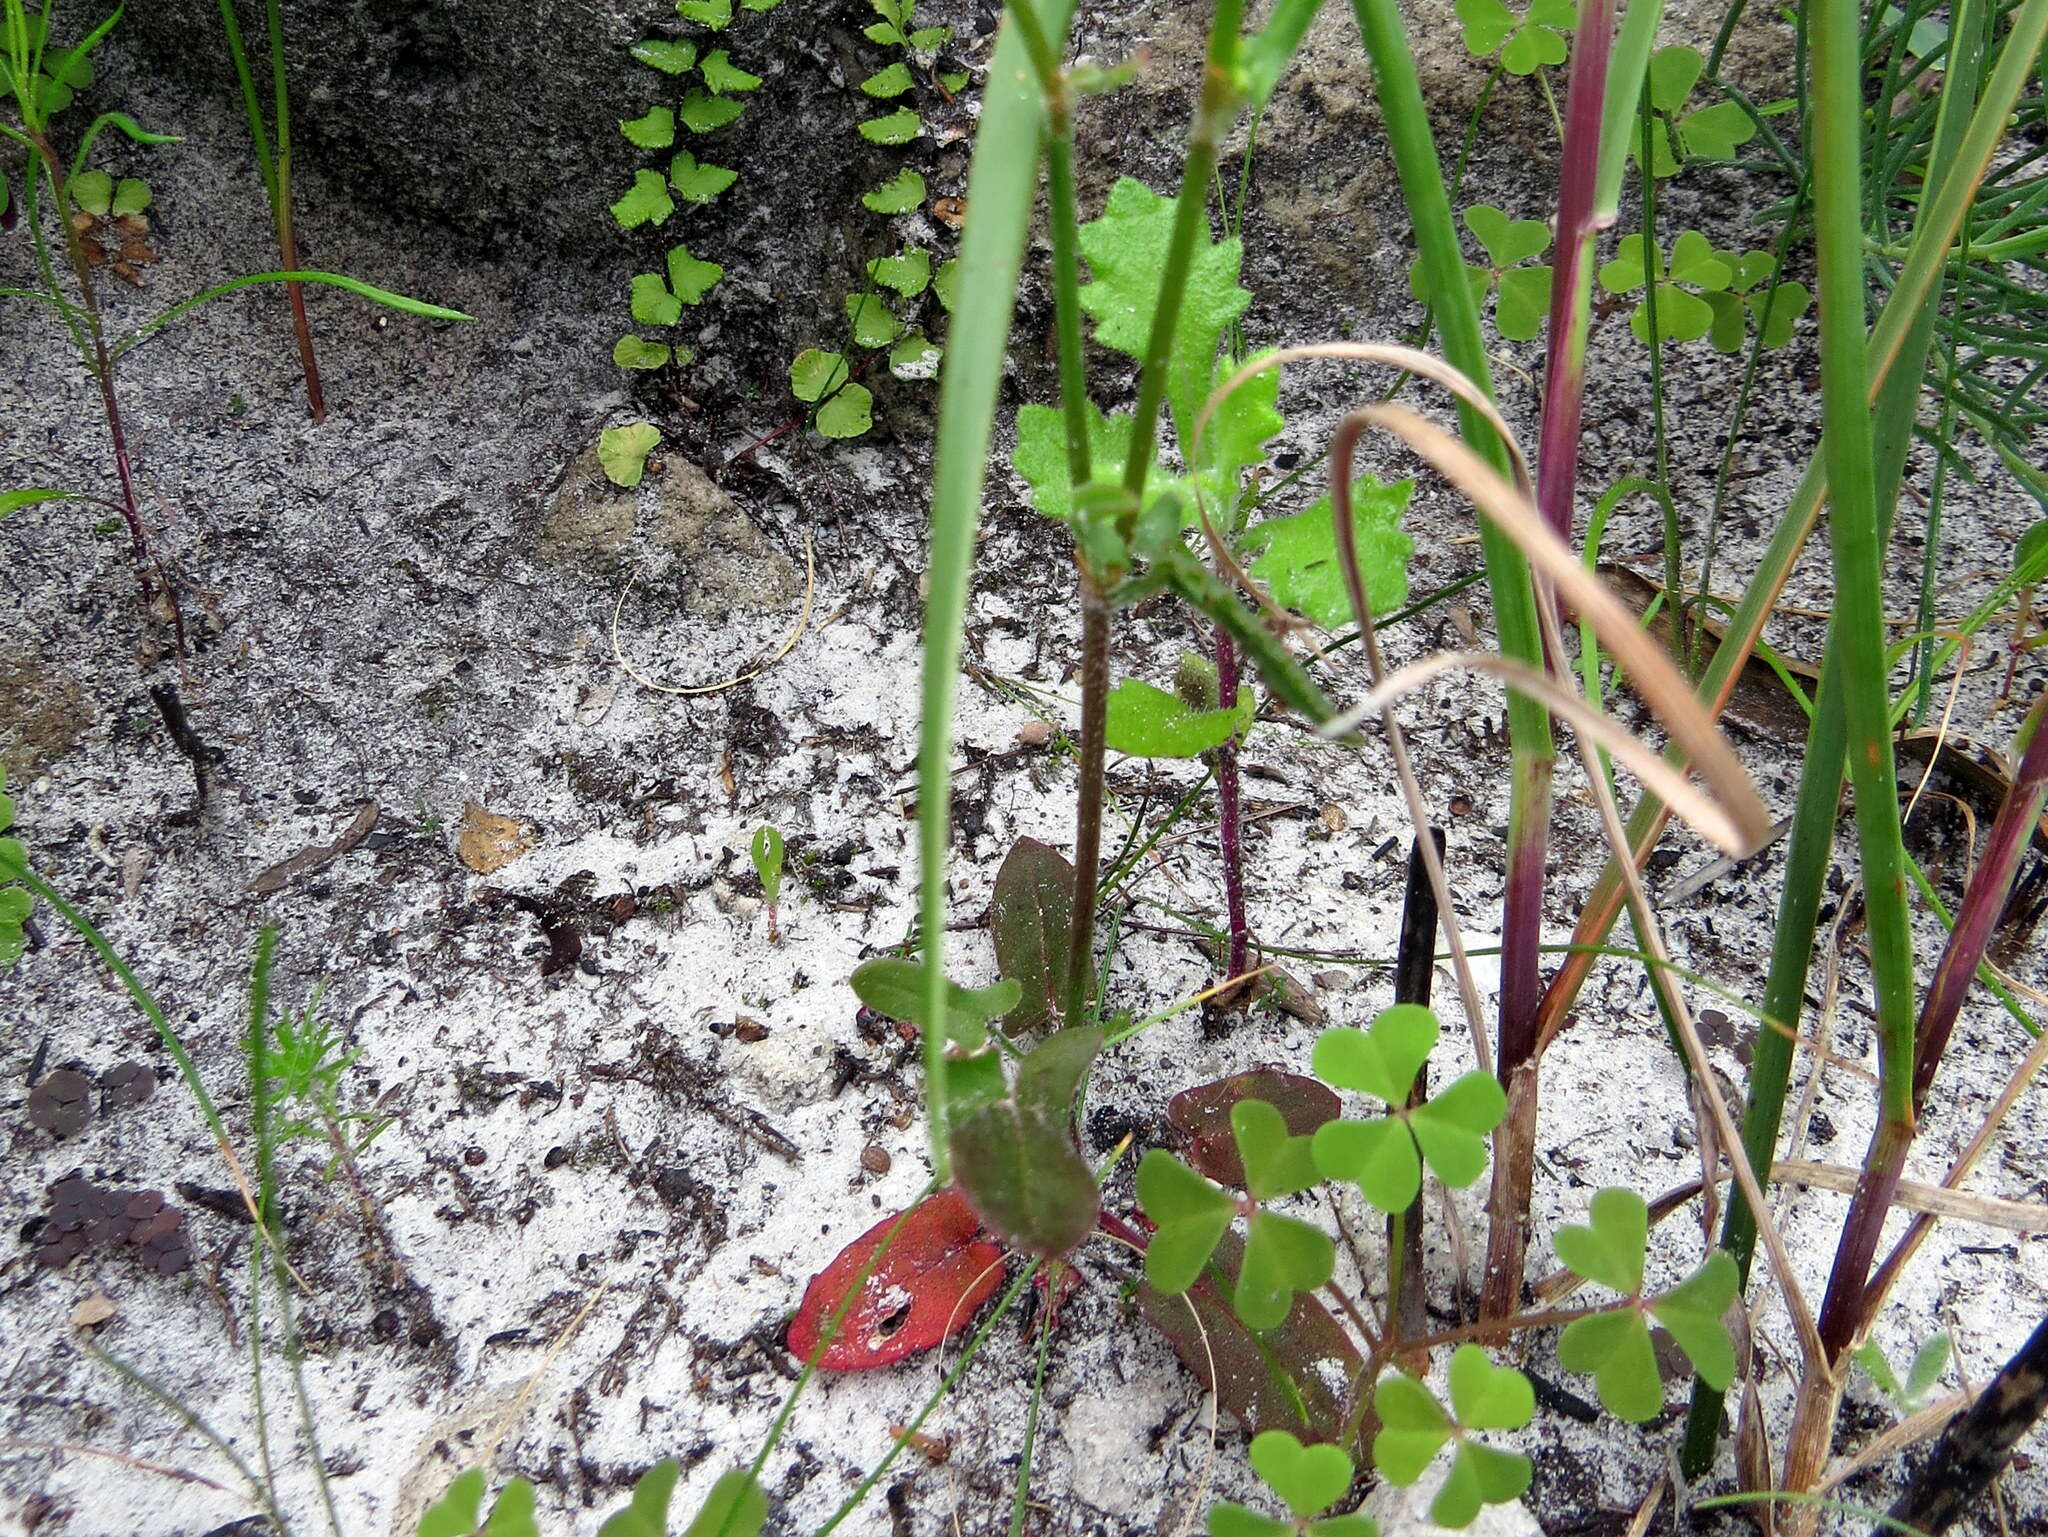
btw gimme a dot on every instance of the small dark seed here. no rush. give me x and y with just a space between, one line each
875 1158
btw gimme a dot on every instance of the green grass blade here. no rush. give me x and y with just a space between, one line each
356 286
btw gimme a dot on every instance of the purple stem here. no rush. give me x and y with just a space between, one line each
1231 824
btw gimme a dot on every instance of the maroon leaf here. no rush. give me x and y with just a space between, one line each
925 1289
1202 1116
1299 1378
1031 914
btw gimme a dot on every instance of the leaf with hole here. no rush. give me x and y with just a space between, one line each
1296 556
737 1505
895 989
1201 1116
622 452
647 203
655 130
1019 1167
902 193
924 1289
1031 918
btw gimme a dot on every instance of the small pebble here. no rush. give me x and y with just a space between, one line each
749 1030
875 1158
472 1156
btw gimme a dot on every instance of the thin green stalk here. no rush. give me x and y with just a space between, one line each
256 1055
259 1492
1021 1502
999 189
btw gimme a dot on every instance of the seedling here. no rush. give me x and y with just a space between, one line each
1307 1480
622 452
766 853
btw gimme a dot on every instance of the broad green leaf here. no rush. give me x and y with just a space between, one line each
900 194
130 196
640 353
1452 1126
1716 132
1145 721
765 853
672 56
653 304
1275 1162
715 14
872 323
1020 1170
1479 1476
657 130
1792 301
1731 321
898 127
690 277
623 451
1307 1478
1523 303
704 113
1235 436
1041 455
915 357
1413 1428
695 182
726 77
1281 1257
646 1513
1383 1061
1297 555
908 273
1532 47
1614 1349
1506 241
1681 316
1230 1520
814 374
1610 1248
1624 272
1693 1309
1486 24
1673 73
925 39
1191 1216
737 1505
848 413
512 1513
1489 1397
975 1080
647 203
1050 1077
93 191
1694 260
1031 918
887 33
457 1512
1378 1156
885 83
1126 250
894 988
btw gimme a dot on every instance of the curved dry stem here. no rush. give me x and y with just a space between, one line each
803 621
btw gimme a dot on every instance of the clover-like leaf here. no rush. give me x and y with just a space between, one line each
1281 1257
646 1512
1716 132
1452 1126
1610 1248
1522 303
93 192
1693 1309
1276 1163
1378 1156
908 272
898 127
737 1505
456 1512
1296 556
702 112
696 182
1506 241
1146 721
672 56
1227 1519
726 77
622 452
1480 1475
886 83
1777 311
647 203
1614 1349
653 304
900 194
131 196
690 277
512 1512
1489 1397
873 323
848 413
1413 1428
1190 1214
1307 1478
1694 260
655 130
1383 1061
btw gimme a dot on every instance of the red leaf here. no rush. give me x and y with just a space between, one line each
927 1287
1202 1116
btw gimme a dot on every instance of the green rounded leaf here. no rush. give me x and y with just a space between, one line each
908 273
656 130
1145 721
653 304
1229 1520
1413 1428
885 83
623 451
695 182
1169 1191
814 374
456 1513
1451 1129
639 353
1275 1162
647 203
1020 1170
847 414
872 323
1377 1156
1610 1248
1381 1062
691 278
704 113
1479 1476
726 77
1614 1349
1281 1257
92 191
1489 1397
512 1513
130 196
672 56
1693 1309
1307 1478
898 127
895 989
900 194
715 14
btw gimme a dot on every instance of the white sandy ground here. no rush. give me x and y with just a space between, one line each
386 630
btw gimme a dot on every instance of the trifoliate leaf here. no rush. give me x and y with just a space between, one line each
1190 1214
697 183
672 56
899 194
638 352
653 304
1681 316
1298 554
847 414
1307 1478
623 451
1523 303
1506 241
1413 1428
814 374
1276 1163
1378 1156
1452 1126
726 77
1610 1248
1489 1397
1673 73
1694 260
1230 1520
701 113
885 83
647 203
657 130
1778 317
1281 1257
1693 1309
1148 722
715 14
1382 1061
908 273
898 127
691 278
873 323
1614 1349
1479 1476
1716 132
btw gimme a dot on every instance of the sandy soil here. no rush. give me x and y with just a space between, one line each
626 1126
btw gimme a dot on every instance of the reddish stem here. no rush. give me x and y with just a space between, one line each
1229 815
288 252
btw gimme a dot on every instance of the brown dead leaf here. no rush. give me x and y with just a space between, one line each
488 842
316 856
93 1311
